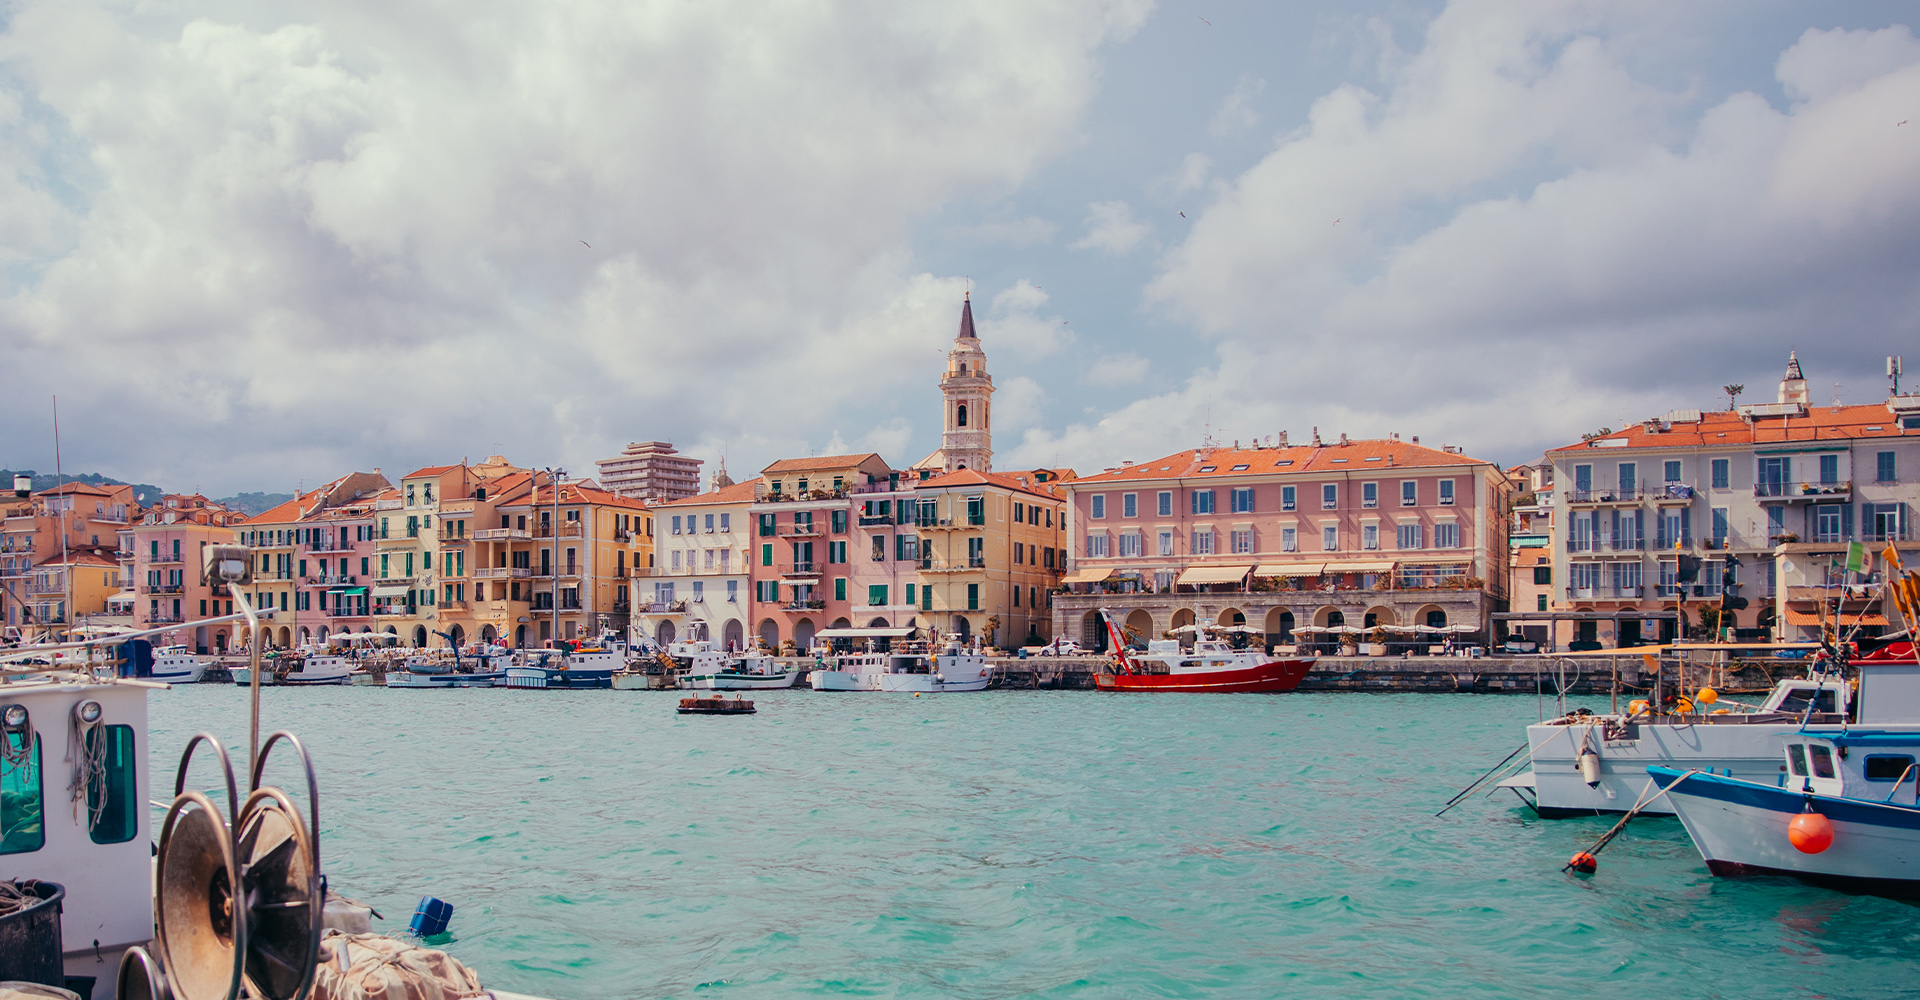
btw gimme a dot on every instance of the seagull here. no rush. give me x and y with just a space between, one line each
1898 124
1183 215
1336 222
584 243
1204 21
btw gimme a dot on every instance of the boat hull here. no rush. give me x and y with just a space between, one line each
1740 828
1273 676
739 682
1750 750
545 679
408 679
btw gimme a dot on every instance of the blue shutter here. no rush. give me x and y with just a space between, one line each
1639 529
1686 525
1846 521
1613 540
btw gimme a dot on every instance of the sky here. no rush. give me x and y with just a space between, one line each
256 246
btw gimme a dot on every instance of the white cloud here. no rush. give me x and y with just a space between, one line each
1237 113
1533 240
1016 330
1118 369
1112 227
358 240
1021 232
1192 174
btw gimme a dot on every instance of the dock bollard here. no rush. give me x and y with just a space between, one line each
431 917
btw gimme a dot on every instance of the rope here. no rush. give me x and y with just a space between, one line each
1469 790
1640 803
87 752
14 897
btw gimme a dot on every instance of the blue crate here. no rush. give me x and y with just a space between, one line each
431 917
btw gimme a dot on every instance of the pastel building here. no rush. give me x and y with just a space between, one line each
1779 488
1365 532
993 548
37 531
169 556
700 585
801 560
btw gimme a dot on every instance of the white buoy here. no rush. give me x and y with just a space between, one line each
1589 766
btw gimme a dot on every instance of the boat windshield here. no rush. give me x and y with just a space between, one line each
1797 758
1822 761
1797 699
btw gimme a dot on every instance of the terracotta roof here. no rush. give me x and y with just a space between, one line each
431 470
821 462
67 488
289 512
737 493
80 557
1722 428
974 477
1334 457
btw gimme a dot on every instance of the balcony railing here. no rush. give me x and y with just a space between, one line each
568 529
804 530
163 588
1607 495
502 535
1795 491
814 605
395 581
876 520
329 581
501 572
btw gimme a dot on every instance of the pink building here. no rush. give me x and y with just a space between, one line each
169 546
1378 533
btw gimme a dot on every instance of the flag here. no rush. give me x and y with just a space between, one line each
1891 556
1857 557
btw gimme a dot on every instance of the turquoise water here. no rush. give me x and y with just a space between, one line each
595 845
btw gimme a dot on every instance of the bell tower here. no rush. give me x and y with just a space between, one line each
966 439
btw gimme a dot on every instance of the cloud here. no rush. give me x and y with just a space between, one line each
1236 113
1015 329
1112 227
1534 240
1191 175
360 239
1117 369
1021 232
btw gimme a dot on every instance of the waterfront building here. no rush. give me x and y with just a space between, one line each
1779 488
1530 568
700 586
560 564
68 518
992 550
966 421
650 470
73 587
169 556
313 560
801 556
1366 533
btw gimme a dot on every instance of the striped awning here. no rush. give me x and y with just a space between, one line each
1290 569
1360 567
1093 574
1845 620
1214 574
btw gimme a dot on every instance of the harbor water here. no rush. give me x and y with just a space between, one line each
595 845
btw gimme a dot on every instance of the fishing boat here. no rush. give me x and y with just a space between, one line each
738 673
485 667
1840 812
1211 666
177 665
914 669
716 706
586 666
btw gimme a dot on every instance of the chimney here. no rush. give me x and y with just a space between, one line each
1343 439
1282 440
1316 436
1416 439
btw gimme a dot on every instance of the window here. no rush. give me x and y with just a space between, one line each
1329 496
877 595
1446 492
1289 539
1369 536
1130 545
1096 546
1289 497
1242 541
1098 508
1203 542
1887 766
1019 516
766 526
1883 473
926 598
879 548
1626 579
1721 468
913 598
1673 472
1446 535
1543 575
1409 493
1774 474
1330 538
1585 576
26 827
1409 537
1883 522
1369 495
836 552
976 510
1242 499
766 554
973 597
1129 505
1628 477
839 588
1828 523
1203 501
1166 543
1720 521
905 548
1166 504
1829 469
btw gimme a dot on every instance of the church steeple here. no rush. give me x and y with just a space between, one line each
966 440
1793 388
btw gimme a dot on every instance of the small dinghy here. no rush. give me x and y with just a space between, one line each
716 706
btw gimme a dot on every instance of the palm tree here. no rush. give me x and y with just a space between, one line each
1733 392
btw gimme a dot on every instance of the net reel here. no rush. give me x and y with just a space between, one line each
238 898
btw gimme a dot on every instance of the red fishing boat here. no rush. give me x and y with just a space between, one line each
1211 666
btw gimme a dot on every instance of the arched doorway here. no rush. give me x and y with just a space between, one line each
1328 616
220 641
286 637
321 635
200 639
803 633
306 635
878 623
459 635
520 637
419 637
1231 616
1380 614
733 634
1433 616
1140 627
770 633
487 634
393 637
663 634
1181 618
963 628
1279 626
1093 633
842 623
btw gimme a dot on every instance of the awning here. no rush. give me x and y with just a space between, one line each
1094 575
1290 569
1214 574
864 633
391 591
1845 620
123 597
1457 559
348 591
1360 567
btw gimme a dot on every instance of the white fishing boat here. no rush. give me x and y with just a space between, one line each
484 667
589 665
739 673
177 665
1840 811
913 669
1586 764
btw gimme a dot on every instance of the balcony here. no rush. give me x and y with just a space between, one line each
815 605
163 588
875 521
154 560
805 531
329 581
501 572
1810 492
397 541
502 535
446 540
453 607
394 581
568 529
392 503
1601 497
391 611
622 535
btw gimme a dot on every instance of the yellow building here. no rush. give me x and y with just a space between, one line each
998 548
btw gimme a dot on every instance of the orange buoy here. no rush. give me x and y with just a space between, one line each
1810 832
1636 706
1707 696
1584 863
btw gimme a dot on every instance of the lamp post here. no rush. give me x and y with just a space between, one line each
553 483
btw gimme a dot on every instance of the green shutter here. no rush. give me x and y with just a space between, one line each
840 588
766 554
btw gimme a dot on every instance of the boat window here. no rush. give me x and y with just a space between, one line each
110 791
1798 698
1797 756
1887 766
1822 761
22 807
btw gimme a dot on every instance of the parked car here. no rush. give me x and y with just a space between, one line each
1062 647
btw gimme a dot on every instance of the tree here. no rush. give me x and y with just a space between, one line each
1733 392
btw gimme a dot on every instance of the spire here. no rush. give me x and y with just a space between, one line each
966 319
1793 365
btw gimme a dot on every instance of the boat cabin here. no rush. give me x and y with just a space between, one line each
1874 766
1794 696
